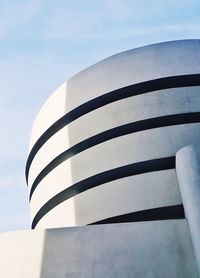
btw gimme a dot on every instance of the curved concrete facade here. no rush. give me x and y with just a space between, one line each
187 166
103 146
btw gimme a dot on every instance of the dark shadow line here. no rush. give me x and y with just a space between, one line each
125 129
118 94
161 213
104 177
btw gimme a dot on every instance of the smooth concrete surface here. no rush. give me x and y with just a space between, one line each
111 199
133 148
123 69
127 149
54 112
144 249
141 146
60 176
134 66
21 254
141 107
52 148
161 189
52 220
188 172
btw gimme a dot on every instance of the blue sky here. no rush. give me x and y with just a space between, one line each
44 42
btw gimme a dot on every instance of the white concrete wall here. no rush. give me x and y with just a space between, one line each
52 110
188 172
134 66
146 249
21 254
95 204
154 104
125 195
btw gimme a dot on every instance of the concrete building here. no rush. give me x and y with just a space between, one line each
115 152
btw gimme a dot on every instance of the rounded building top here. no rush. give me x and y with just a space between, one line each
103 146
134 66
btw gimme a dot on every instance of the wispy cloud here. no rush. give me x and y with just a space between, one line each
43 20
16 15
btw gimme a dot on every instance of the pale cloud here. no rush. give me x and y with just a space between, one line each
16 15
42 19
108 19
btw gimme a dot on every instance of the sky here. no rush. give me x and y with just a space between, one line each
45 42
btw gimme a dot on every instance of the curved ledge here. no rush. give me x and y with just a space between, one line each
188 174
104 177
163 121
161 213
122 93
